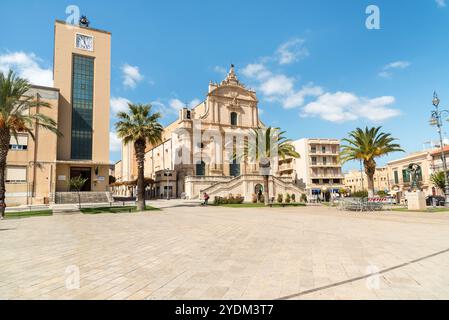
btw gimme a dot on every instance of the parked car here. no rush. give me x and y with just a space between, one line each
439 201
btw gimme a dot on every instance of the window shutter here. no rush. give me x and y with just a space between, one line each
16 174
22 140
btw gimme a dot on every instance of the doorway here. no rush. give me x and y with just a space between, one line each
85 173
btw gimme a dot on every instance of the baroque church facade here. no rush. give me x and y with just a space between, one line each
196 154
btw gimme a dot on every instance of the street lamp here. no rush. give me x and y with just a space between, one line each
436 120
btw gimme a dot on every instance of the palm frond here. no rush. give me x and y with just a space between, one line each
16 105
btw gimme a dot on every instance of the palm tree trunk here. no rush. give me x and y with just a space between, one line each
370 170
370 186
5 138
265 190
140 155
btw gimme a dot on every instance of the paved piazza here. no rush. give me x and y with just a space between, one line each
190 252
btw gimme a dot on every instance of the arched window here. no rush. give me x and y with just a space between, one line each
201 169
234 118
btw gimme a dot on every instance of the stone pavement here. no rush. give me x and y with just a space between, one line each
190 252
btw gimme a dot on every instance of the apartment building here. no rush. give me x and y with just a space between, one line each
319 169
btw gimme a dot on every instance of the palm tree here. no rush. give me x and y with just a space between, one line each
16 116
140 126
438 180
368 145
264 146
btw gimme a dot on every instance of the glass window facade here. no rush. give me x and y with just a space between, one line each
82 107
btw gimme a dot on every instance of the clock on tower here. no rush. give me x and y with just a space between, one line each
84 42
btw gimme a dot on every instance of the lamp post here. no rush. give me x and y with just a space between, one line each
436 120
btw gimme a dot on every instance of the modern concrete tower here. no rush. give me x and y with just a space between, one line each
82 73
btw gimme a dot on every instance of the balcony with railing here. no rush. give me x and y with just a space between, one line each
325 164
320 152
334 174
287 166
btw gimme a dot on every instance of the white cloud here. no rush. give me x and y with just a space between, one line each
297 99
345 106
385 74
441 3
334 107
277 85
221 70
176 104
26 65
131 75
387 70
397 65
119 104
291 51
194 103
115 144
256 71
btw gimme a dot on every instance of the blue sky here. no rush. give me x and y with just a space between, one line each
318 71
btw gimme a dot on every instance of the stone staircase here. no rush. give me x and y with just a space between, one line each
227 186
84 197
240 186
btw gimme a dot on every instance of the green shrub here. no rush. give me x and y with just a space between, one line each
304 198
360 194
280 198
262 199
288 198
230 200
293 198
382 194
